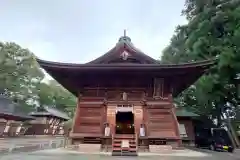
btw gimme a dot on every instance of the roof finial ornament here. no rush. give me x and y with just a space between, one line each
124 38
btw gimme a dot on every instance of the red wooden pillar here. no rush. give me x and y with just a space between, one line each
138 118
145 119
76 115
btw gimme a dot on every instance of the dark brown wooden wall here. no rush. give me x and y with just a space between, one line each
134 93
160 123
90 119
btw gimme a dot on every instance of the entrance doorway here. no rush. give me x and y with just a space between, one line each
124 123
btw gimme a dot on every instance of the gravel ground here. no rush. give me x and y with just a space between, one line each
29 144
9 142
64 154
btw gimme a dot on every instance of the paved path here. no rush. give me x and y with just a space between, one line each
58 154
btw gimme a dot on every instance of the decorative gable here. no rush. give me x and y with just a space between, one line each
124 52
125 55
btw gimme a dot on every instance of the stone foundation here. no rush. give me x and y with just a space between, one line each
89 148
173 143
160 148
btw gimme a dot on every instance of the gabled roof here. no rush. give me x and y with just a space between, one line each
51 111
124 52
67 73
11 110
127 63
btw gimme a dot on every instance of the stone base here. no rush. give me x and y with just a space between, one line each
174 143
89 148
188 143
160 148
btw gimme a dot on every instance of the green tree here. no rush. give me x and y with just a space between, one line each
45 94
21 80
213 31
53 94
19 74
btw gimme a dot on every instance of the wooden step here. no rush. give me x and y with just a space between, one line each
119 145
117 149
128 151
125 149
124 154
133 149
120 141
91 142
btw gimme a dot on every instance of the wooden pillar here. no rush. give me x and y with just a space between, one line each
76 115
111 117
145 119
138 118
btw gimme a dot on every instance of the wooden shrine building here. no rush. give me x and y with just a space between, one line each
48 121
126 89
186 121
12 118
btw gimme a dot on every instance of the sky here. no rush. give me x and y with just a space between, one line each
78 31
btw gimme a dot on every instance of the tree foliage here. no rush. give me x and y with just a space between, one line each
19 74
53 94
21 80
213 31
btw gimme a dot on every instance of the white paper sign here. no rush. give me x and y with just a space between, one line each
124 109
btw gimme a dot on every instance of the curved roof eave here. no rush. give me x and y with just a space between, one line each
51 64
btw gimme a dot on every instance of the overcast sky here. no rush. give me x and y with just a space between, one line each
78 31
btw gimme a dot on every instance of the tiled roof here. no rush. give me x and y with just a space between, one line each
182 112
8 108
51 111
